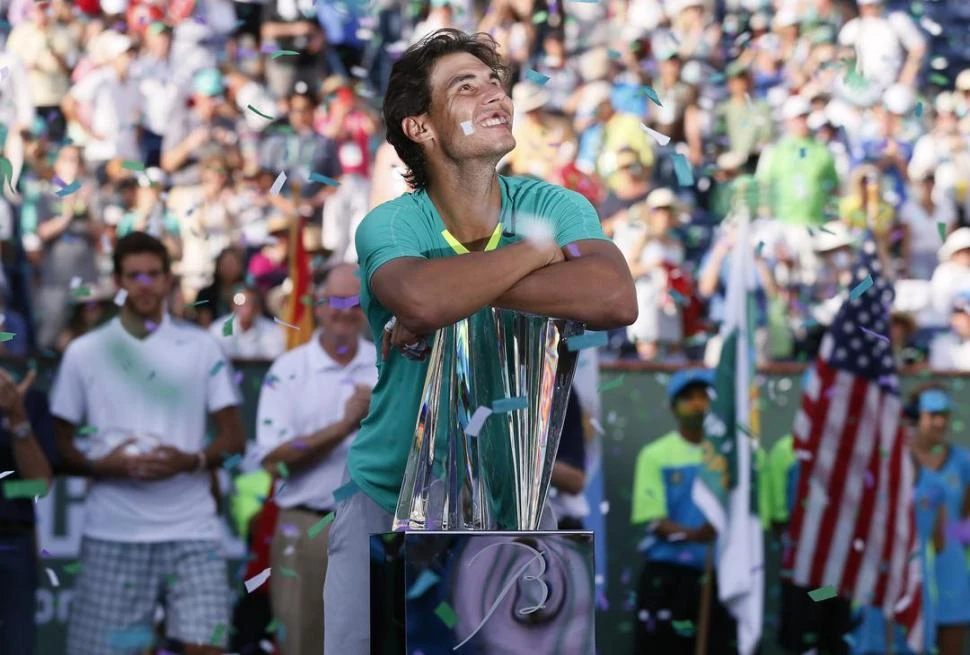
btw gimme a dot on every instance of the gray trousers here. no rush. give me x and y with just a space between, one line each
346 591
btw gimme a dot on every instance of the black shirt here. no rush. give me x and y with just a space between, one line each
21 510
572 444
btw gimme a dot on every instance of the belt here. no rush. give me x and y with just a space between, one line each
318 512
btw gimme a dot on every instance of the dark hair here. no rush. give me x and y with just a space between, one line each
137 243
409 89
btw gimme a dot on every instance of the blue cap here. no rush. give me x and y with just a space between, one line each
684 378
208 82
934 401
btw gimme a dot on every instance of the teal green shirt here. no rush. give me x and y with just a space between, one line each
410 226
798 179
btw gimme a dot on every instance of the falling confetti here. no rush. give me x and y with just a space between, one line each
216 367
587 340
822 593
446 614
467 127
314 530
133 165
227 326
284 53
257 581
24 489
346 491
259 113
278 184
323 179
685 176
503 405
53 578
536 77
872 333
478 421
7 336
285 324
69 189
661 139
121 297
425 581
861 288
650 93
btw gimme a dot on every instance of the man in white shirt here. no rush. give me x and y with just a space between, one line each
252 335
137 392
951 351
310 406
889 47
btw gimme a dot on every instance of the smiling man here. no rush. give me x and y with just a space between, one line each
448 117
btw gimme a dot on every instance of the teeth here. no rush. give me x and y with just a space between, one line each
492 122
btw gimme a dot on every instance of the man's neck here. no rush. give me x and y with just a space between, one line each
468 200
138 326
693 436
341 353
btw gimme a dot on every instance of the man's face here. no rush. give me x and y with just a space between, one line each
338 320
738 85
870 10
301 113
147 284
798 126
205 105
960 322
464 89
932 426
692 405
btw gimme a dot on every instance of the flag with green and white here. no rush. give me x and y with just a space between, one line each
725 488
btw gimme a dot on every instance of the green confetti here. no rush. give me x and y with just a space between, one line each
323 179
284 53
684 628
446 614
80 292
6 173
7 336
941 228
69 189
612 384
217 367
85 430
259 113
940 80
822 593
24 489
290 573
72 568
861 288
283 470
503 405
217 634
227 327
133 165
540 16
314 530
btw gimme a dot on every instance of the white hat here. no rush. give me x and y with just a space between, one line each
595 64
109 46
595 94
868 2
834 234
529 96
731 160
957 241
963 80
662 197
899 99
785 18
796 106
945 103
674 7
114 7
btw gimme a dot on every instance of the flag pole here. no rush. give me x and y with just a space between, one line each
707 590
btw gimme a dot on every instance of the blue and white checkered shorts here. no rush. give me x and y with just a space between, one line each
120 585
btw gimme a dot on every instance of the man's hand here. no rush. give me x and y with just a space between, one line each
162 463
12 395
704 534
116 464
357 406
404 340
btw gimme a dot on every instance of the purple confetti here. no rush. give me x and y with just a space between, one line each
289 530
871 333
342 350
44 553
151 326
573 249
869 480
344 303
269 48
238 378
59 182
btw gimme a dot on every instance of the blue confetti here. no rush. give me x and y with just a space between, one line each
346 491
69 189
682 168
650 93
139 637
536 77
323 179
861 288
586 340
503 405
425 581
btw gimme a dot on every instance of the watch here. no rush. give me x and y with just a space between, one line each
21 431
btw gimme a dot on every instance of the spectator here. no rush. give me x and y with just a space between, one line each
631 188
12 322
888 46
535 130
287 25
678 116
28 454
309 410
887 143
902 329
88 312
268 267
951 351
151 521
925 215
745 122
247 333
47 51
854 207
160 85
562 71
569 471
953 273
199 131
217 298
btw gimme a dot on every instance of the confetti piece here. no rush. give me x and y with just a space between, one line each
822 593
536 77
573 250
69 189
24 489
918 110
344 303
53 578
467 127
6 173
759 248
662 139
227 327
872 333
478 421
133 165
121 297
232 462
612 384
257 581
284 53
540 17
139 638
613 54
290 573
5 474
259 113
217 633
861 288
685 627
685 176
199 303
446 614
425 581
323 179
318 527
650 93
7 336
941 228
346 491
278 184
273 626
503 405
72 568
587 340
284 471
285 324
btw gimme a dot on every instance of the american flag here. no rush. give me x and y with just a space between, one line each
853 525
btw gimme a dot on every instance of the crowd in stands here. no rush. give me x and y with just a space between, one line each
212 125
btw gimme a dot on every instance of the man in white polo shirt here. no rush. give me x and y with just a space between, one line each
130 404
310 407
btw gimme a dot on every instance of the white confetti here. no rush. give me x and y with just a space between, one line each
605 507
859 545
478 421
5 474
596 425
75 282
662 139
266 646
257 581
278 184
677 536
285 324
121 297
53 578
467 127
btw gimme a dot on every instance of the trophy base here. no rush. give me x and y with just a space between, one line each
482 593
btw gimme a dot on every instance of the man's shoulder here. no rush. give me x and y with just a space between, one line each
187 331
91 341
389 211
659 447
533 191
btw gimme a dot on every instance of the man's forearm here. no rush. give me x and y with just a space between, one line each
302 452
229 440
589 289
30 461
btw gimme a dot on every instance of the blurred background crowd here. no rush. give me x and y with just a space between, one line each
215 124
